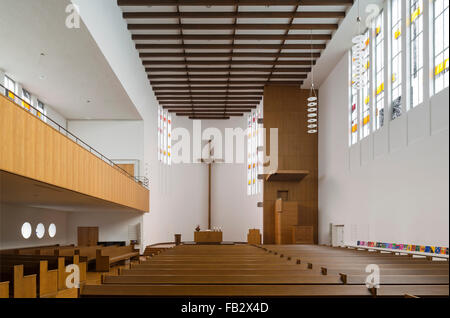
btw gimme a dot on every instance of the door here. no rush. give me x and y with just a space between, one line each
87 235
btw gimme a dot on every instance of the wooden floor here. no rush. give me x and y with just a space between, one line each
271 270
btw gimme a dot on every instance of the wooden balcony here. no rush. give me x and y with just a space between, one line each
33 149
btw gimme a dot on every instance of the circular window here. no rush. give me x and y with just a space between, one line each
40 230
52 230
26 230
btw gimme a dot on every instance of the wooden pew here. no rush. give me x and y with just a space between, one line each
122 290
50 281
251 271
398 279
113 254
223 280
4 289
24 286
46 279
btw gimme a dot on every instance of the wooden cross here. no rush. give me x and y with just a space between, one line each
209 161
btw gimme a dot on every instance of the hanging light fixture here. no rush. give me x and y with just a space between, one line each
312 100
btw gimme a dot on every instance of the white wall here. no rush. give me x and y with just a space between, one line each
392 186
181 208
116 139
11 220
113 226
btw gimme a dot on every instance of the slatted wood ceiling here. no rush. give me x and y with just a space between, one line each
212 58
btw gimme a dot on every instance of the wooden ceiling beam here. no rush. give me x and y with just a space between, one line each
230 46
205 88
234 15
209 118
252 37
234 54
234 76
209 114
138 3
208 106
228 69
226 62
243 26
250 82
210 102
252 93
229 110
212 99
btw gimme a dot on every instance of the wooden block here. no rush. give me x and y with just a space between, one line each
254 236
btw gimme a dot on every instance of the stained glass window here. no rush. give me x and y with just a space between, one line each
416 53
441 47
354 102
366 99
396 58
10 86
41 110
26 99
378 109
253 158
164 136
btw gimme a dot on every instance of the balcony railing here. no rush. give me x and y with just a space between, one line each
144 181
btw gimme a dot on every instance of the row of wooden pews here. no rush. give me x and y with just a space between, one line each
41 271
31 276
294 270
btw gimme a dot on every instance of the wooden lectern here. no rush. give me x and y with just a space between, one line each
208 237
286 216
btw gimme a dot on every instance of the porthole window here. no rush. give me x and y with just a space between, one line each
40 230
26 230
52 230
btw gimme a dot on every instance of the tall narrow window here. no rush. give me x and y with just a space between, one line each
41 110
10 86
396 58
378 109
365 109
26 99
253 139
441 47
416 53
354 102
164 136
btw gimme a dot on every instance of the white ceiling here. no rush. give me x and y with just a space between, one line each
75 70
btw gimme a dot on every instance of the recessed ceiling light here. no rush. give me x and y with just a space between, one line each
42 77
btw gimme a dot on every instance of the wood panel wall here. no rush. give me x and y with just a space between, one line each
31 148
285 109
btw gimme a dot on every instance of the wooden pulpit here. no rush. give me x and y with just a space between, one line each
286 216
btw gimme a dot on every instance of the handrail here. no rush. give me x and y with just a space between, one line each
144 181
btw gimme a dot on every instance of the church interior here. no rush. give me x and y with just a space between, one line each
224 148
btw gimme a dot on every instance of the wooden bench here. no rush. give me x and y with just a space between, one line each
398 279
51 269
244 270
223 280
122 290
113 254
20 286
4 289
